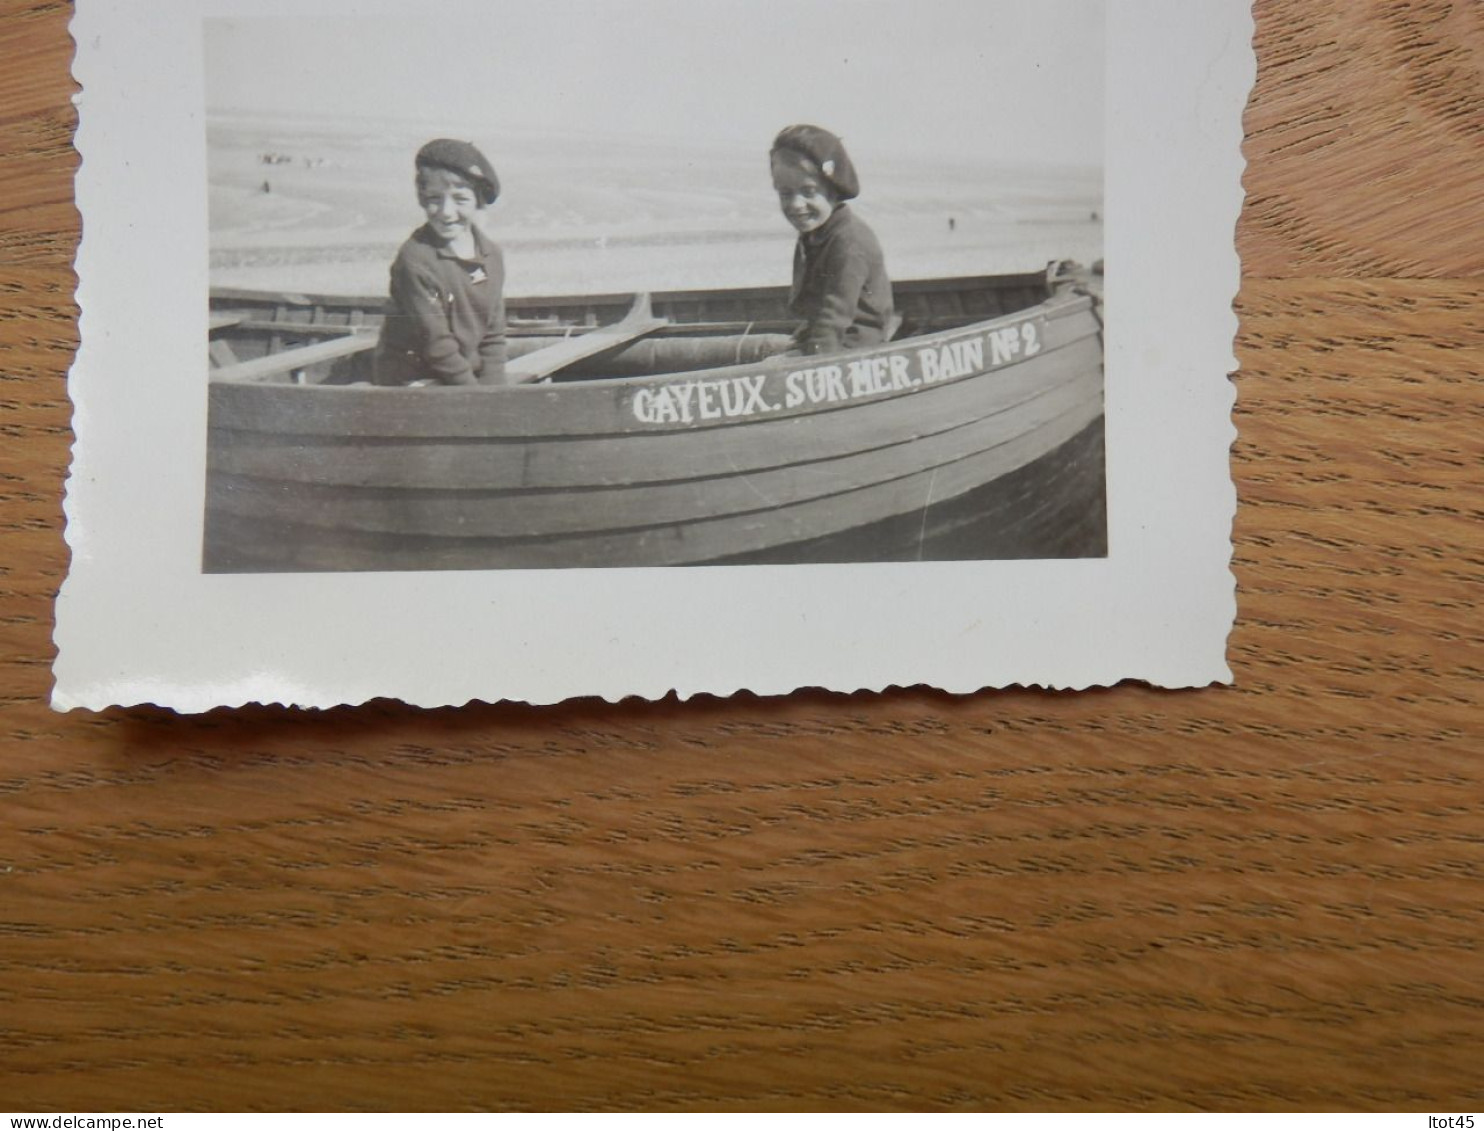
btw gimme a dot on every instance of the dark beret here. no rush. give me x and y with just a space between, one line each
825 150
464 159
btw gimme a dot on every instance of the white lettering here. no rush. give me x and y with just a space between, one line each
705 405
831 384
683 394
664 408
948 363
731 398
753 386
834 383
1031 337
814 382
1000 351
794 396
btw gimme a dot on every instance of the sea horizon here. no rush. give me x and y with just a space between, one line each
309 203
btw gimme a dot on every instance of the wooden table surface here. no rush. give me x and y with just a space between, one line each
1264 896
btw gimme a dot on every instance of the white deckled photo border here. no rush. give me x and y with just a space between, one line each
137 621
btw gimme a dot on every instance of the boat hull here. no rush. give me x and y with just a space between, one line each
983 441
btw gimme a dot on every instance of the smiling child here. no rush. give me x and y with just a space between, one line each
840 286
445 323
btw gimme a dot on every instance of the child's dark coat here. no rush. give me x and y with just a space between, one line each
446 318
841 289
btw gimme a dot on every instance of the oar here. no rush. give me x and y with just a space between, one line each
538 364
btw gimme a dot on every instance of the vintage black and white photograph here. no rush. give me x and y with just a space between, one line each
652 283
906 327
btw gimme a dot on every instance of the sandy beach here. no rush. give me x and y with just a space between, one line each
322 208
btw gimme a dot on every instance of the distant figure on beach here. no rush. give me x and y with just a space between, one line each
267 188
952 224
445 322
840 286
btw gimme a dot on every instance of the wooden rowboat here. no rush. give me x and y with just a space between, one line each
663 430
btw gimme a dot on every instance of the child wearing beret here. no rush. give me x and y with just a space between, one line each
445 323
840 286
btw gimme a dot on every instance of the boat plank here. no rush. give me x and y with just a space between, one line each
1031 282
1049 508
585 408
276 364
221 353
244 544
534 514
540 363
578 460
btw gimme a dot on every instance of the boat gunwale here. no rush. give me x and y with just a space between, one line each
920 431
933 284
1054 308
1068 399
248 413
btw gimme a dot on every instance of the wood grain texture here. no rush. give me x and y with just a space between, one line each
1266 896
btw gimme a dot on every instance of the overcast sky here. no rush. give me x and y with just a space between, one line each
974 80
